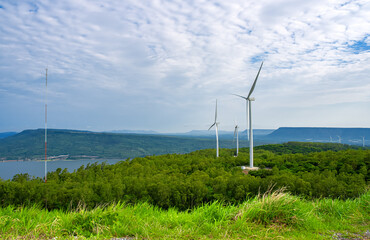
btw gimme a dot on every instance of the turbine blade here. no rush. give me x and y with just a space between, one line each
211 126
240 96
216 112
255 81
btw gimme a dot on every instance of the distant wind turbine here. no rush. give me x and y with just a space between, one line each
363 141
339 139
249 116
216 127
236 134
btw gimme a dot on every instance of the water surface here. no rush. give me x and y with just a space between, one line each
37 168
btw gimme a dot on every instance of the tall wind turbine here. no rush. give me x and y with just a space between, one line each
363 141
216 127
236 134
339 139
249 100
46 120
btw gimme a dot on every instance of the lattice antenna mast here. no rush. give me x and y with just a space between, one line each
46 121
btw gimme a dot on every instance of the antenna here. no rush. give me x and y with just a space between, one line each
46 121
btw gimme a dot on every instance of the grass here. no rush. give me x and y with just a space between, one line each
273 215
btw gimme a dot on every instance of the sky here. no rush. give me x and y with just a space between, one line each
161 65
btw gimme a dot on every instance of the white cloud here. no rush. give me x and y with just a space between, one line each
176 57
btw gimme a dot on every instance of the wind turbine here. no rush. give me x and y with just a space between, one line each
216 127
237 138
363 141
249 116
339 139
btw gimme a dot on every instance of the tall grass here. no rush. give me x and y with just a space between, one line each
274 214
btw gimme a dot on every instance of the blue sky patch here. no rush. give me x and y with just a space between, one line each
259 58
34 8
359 46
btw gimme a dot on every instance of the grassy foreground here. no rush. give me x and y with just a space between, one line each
273 215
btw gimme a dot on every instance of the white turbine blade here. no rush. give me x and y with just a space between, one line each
255 81
240 96
211 126
216 112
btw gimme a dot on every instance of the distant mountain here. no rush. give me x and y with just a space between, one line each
74 144
134 131
260 132
29 144
316 134
204 133
7 134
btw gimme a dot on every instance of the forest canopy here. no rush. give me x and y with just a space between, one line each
184 181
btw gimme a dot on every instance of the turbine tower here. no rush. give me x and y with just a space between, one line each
216 127
46 120
249 100
237 139
339 139
363 141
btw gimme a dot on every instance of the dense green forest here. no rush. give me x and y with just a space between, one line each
306 147
185 181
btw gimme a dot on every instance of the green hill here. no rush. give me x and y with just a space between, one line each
29 144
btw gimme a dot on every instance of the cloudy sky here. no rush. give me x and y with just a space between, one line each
160 65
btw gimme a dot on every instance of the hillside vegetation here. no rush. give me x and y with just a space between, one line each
185 181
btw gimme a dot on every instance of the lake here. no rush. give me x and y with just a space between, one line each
37 168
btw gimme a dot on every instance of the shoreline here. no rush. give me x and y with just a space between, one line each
57 160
